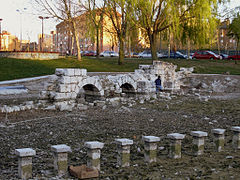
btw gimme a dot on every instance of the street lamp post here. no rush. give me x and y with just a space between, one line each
0 34
41 43
20 12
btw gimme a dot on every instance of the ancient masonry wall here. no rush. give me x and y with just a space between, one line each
69 83
123 151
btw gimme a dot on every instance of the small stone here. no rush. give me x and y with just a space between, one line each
161 148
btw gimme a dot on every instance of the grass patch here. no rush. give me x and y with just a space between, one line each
19 68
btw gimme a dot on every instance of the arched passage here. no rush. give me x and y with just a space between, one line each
90 93
128 89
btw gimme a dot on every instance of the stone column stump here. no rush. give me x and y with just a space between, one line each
236 137
150 148
219 139
198 142
123 151
94 154
175 150
60 154
25 162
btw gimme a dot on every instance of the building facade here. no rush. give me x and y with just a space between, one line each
65 42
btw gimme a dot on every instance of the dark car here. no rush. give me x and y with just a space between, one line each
205 55
234 57
174 55
90 53
178 55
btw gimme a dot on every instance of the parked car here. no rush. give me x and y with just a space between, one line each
234 57
135 55
147 54
90 53
223 56
108 54
205 55
178 55
174 55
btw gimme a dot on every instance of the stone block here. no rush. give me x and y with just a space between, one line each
236 137
25 162
236 129
60 153
94 145
176 136
198 142
199 133
65 80
218 131
124 141
60 148
82 107
151 138
60 96
69 72
64 106
150 148
80 72
73 80
83 172
59 72
94 153
99 103
218 139
25 152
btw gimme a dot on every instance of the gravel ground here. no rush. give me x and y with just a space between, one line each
40 129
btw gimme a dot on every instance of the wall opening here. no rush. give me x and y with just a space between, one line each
128 89
89 93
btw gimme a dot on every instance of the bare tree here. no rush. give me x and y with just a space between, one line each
119 12
95 13
64 10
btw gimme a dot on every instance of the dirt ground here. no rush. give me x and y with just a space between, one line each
39 129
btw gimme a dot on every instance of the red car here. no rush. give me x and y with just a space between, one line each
234 57
90 53
205 55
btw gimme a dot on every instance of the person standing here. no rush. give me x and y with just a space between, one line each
158 84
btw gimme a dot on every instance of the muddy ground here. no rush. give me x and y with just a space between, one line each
40 129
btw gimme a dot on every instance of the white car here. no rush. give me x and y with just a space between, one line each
108 54
148 54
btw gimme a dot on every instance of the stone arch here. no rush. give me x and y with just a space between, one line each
90 90
128 89
89 93
128 80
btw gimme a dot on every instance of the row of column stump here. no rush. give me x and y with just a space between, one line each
60 152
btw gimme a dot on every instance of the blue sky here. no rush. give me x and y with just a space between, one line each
31 24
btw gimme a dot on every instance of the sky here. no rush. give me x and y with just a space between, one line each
31 25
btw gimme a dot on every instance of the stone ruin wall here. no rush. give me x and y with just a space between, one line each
68 84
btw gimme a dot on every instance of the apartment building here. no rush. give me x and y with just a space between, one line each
65 40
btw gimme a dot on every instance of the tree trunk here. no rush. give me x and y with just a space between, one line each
75 35
121 50
97 45
152 39
188 47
